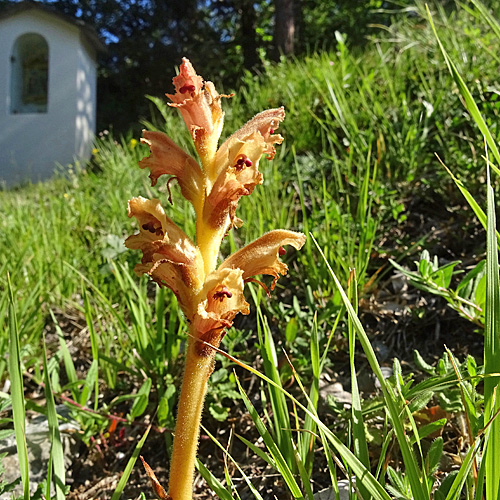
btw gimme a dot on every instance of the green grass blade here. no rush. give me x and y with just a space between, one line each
308 437
332 469
324 356
56 449
94 345
67 359
130 465
273 448
481 473
478 211
264 456
360 444
305 476
282 427
255 493
17 394
89 384
492 352
461 477
48 478
213 483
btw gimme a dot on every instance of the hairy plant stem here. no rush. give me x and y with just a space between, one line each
209 241
199 366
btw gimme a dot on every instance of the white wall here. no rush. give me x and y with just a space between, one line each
32 143
86 95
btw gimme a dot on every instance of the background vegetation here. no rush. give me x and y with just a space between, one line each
146 39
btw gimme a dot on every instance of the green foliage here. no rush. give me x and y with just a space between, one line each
468 297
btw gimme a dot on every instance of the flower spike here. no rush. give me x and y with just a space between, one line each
209 296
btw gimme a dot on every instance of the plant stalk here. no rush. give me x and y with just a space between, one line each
199 366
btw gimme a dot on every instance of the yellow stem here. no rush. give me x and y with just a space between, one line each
199 366
209 240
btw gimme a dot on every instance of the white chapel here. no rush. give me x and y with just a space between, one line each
47 91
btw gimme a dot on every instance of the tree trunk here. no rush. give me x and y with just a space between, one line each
248 37
300 40
284 28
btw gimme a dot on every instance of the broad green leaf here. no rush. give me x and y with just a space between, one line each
430 428
434 455
141 402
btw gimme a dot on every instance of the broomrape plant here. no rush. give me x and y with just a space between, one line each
209 296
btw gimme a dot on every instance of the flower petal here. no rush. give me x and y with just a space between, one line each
262 255
199 104
264 124
174 275
168 158
186 82
236 180
169 256
223 290
237 167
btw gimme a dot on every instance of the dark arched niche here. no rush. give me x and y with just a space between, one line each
29 77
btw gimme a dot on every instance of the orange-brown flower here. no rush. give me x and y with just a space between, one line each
222 293
236 167
265 124
169 256
223 300
262 256
199 104
169 159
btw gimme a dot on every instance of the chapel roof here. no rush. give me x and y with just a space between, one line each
87 31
